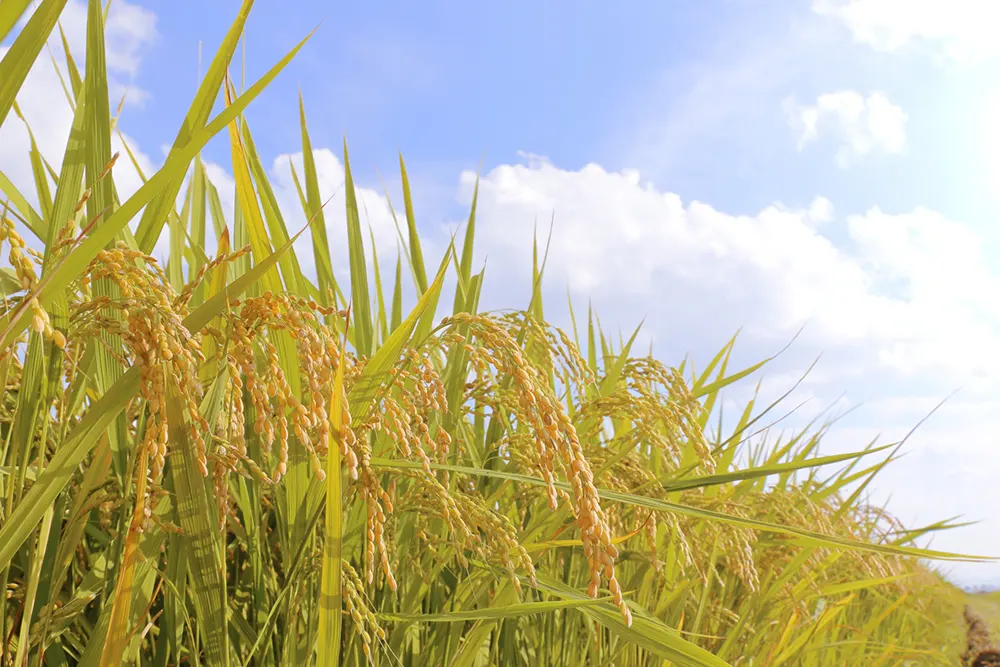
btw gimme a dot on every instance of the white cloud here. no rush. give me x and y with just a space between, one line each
937 269
864 125
821 210
914 285
129 30
960 30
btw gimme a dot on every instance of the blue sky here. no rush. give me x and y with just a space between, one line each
685 92
709 166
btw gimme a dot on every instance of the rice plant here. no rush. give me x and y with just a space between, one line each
229 460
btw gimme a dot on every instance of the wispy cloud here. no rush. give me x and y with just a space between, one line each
863 125
963 31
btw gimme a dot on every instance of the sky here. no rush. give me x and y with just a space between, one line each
825 165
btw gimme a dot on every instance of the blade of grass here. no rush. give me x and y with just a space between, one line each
494 613
195 512
800 535
416 254
361 299
10 12
193 126
331 596
21 55
320 242
175 166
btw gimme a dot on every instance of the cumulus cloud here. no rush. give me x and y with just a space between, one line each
862 125
915 284
962 31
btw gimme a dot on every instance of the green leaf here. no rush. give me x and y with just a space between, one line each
10 12
416 254
646 631
191 131
320 242
702 481
397 297
494 613
376 373
22 53
32 220
290 269
174 168
465 266
714 387
330 593
360 298
799 535
195 508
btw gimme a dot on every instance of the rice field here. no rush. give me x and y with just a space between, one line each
229 459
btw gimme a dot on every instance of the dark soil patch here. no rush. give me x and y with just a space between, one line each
981 651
